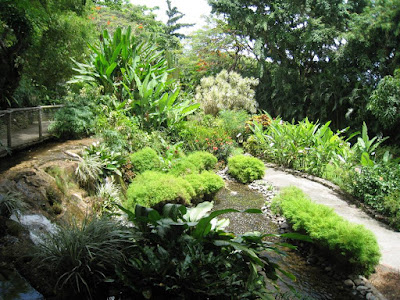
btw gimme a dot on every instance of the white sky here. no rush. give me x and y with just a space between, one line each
192 9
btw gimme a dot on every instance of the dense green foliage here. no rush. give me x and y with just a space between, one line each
144 160
152 188
177 253
303 146
318 59
348 243
245 168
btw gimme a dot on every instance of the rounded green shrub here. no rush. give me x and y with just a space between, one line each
203 160
348 243
145 160
245 168
183 167
152 188
205 185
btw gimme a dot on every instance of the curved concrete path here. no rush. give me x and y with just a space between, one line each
388 240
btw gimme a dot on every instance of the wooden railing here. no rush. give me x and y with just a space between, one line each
17 137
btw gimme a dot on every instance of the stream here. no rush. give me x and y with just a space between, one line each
311 281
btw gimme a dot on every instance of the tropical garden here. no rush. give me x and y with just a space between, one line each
312 86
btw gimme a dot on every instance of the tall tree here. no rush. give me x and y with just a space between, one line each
172 24
296 42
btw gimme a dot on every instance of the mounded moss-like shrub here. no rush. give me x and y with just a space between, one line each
183 167
202 160
145 160
245 168
349 243
152 188
205 185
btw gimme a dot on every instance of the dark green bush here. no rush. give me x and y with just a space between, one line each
348 243
74 120
183 254
205 185
152 188
245 168
371 184
391 205
144 160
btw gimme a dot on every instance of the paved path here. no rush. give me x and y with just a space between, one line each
388 240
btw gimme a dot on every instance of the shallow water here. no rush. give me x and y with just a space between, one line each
311 281
14 287
37 225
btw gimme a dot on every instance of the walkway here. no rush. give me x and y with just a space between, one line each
388 240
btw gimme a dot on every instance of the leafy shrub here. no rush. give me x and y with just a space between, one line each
186 254
205 184
203 160
74 120
80 258
111 160
214 140
304 146
227 90
349 243
145 159
152 188
245 168
371 184
391 205
233 121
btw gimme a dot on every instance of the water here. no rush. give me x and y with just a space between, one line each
36 224
14 287
311 281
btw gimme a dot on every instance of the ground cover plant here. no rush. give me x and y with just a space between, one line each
349 244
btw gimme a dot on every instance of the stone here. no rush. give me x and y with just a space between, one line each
370 296
233 193
328 269
359 281
349 283
284 225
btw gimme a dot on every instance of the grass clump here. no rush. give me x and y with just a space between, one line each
151 188
349 243
80 258
11 202
245 168
145 160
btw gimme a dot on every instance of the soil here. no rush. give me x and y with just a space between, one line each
387 281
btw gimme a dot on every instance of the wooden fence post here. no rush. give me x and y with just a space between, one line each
9 128
40 123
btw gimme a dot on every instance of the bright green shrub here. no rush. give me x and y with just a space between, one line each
151 188
349 243
245 168
202 160
144 160
205 185
183 167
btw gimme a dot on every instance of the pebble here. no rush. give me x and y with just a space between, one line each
359 281
370 296
349 283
